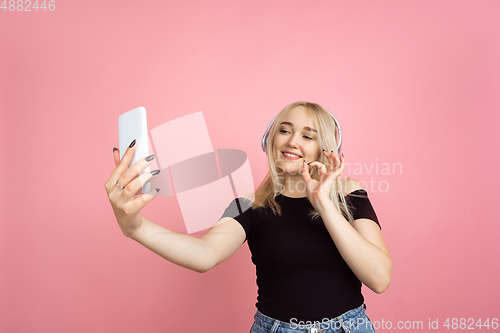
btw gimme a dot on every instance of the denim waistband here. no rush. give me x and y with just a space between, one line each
342 323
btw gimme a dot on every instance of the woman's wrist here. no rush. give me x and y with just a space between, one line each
132 232
324 205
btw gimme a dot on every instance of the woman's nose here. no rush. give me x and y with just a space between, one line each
292 143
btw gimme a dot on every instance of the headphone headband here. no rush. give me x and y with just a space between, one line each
265 138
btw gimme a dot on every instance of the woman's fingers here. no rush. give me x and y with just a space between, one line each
320 166
143 199
338 169
342 163
116 156
327 174
336 162
333 159
124 174
123 164
127 157
305 170
123 198
133 171
134 186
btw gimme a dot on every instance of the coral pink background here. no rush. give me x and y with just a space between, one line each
411 82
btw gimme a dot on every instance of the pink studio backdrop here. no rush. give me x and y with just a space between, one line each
414 85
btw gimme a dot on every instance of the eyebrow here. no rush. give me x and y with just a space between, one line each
306 128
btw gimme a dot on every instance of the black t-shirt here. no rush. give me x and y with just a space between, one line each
300 272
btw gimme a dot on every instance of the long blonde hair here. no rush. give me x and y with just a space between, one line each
270 187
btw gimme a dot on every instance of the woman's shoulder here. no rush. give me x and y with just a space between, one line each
350 185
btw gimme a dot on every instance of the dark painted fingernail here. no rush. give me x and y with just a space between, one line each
304 161
342 155
323 149
115 149
309 163
150 158
332 151
157 190
132 144
154 173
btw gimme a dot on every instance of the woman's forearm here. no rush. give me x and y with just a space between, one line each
369 263
183 250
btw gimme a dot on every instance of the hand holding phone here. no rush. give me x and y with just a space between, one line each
133 125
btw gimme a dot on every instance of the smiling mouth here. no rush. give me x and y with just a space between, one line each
290 156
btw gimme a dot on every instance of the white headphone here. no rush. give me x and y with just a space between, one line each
265 138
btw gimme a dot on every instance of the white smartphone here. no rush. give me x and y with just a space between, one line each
134 125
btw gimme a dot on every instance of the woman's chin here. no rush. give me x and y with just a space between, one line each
289 169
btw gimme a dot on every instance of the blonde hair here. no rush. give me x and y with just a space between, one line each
270 187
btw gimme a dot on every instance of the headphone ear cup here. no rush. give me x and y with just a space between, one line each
337 125
264 141
265 138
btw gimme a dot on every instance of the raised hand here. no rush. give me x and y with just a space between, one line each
320 190
123 185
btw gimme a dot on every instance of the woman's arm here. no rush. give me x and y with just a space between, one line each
362 247
197 254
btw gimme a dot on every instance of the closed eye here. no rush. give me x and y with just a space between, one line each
307 137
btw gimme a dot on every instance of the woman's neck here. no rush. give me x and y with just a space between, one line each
294 186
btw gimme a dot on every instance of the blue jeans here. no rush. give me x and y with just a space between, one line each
352 321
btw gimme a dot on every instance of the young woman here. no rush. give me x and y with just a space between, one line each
314 237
